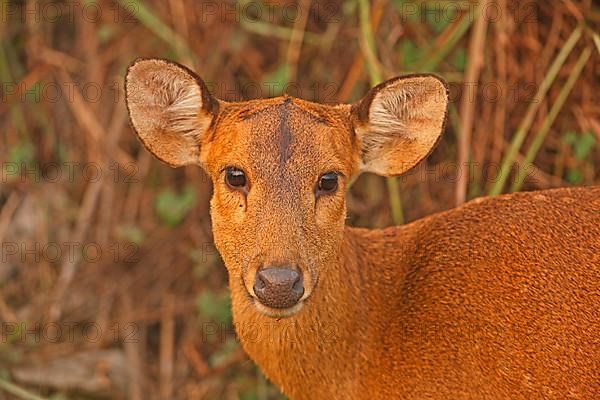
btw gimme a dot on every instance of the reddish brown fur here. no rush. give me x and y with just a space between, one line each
497 299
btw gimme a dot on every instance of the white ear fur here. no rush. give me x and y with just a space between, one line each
170 109
399 122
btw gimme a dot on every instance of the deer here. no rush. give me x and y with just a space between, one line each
496 299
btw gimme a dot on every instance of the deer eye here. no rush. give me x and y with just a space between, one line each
235 178
328 183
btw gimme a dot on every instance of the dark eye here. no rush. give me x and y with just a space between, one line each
235 178
328 182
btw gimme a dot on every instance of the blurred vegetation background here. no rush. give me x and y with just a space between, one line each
109 284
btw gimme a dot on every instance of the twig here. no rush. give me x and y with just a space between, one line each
368 42
89 122
17 391
69 267
158 27
279 32
134 359
9 208
179 20
467 106
24 85
195 359
438 53
596 38
167 346
527 121
293 53
549 120
358 63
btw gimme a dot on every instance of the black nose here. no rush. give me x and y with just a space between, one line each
278 287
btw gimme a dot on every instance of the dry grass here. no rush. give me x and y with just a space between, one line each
109 284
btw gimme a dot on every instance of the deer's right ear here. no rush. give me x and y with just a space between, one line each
170 109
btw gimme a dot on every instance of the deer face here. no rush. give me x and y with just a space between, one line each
280 168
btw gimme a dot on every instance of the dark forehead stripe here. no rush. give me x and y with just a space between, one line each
284 135
283 128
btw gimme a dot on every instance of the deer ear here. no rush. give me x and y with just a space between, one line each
170 109
399 122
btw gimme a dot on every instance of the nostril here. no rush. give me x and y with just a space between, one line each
278 287
298 286
259 284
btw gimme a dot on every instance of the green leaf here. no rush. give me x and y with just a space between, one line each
460 59
276 82
214 306
20 156
248 396
105 33
131 233
574 176
172 207
23 152
410 53
439 18
569 138
224 352
584 146
409 10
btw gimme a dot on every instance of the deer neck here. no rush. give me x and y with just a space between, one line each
323 343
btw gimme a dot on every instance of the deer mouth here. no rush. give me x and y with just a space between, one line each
277 313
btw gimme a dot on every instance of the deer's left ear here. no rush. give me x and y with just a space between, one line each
399 122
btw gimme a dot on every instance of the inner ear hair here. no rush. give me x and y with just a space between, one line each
170 109
400 121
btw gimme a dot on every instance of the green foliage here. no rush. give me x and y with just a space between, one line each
144 13
131 233
438 19
205 260
106 33
22 153
400 6
276 81
410 53
581 146
172 207
214 306
11 353
574 176
248 396
460 59
230 346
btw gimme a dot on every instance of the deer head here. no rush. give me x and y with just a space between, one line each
280 167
